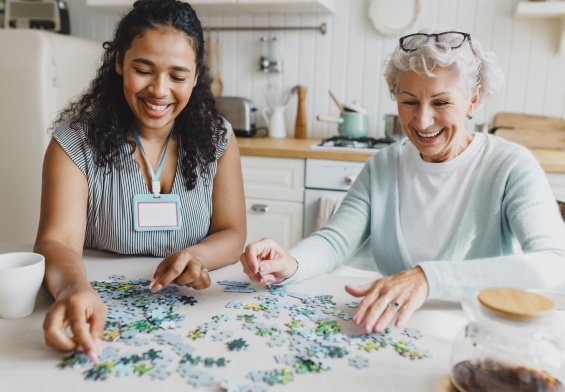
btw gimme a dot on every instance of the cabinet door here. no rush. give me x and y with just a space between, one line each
278 220
273 178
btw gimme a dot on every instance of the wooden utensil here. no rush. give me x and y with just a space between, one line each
300 130
339 105
217 85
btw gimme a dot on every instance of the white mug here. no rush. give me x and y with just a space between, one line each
21 274
275 121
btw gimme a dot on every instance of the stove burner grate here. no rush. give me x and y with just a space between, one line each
362 142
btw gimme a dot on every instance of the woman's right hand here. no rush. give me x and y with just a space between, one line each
81 309
269 259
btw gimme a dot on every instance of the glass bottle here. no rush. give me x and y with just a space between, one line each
507 345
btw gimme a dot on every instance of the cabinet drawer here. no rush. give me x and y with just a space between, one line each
273 178
278 220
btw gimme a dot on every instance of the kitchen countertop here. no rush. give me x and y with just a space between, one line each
551 160
297 148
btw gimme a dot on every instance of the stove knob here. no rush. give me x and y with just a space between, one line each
350 179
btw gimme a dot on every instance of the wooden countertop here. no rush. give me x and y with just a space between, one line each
550 160
296 148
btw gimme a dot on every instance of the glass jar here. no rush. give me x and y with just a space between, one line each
507 346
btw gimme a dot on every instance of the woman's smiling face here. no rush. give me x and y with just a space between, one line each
433 111
159 73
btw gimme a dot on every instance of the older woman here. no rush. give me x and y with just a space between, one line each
447 211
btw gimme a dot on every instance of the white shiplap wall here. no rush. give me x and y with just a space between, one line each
349 58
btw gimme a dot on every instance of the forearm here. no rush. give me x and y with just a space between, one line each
63 267
453 280
314 257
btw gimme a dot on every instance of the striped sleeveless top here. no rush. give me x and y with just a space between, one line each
109 225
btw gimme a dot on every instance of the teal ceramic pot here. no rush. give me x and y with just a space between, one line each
353 125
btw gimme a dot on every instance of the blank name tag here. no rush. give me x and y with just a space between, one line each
156 213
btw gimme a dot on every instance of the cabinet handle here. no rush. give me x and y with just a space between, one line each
350 179
260 208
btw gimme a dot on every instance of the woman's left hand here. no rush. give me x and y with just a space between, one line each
396 296
183 268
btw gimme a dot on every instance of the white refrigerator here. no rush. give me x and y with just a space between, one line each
39 72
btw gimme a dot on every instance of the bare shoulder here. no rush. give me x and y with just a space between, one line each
232 150
57 162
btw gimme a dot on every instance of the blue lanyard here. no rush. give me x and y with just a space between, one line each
155 177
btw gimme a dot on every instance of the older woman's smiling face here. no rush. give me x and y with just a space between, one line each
432 112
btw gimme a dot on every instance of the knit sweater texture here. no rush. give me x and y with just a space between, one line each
511 234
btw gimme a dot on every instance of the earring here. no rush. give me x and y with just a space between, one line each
470 117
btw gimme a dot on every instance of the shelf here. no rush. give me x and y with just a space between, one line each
545 10
288 6
237 7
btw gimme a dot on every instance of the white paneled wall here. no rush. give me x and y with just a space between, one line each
349 58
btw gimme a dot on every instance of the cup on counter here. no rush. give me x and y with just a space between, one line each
21 274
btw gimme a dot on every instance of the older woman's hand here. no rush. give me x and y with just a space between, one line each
183 268
396 296
265 259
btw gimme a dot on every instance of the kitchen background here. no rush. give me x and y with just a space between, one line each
349 58
285 198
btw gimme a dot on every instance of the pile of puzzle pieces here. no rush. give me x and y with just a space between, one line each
136 317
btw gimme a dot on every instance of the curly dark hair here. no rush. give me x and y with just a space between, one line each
106 115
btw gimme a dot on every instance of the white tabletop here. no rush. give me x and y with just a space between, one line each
26 364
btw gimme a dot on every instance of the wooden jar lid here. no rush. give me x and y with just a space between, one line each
516 302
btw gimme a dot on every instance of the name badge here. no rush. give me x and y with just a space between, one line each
156 213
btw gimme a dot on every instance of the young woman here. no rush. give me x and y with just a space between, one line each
141 163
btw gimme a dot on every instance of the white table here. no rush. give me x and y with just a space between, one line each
26 364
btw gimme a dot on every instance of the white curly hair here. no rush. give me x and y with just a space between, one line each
474 66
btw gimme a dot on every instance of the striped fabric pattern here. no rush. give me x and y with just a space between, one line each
109 224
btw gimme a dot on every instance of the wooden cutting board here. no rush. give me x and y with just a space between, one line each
534 138
519 120
531 130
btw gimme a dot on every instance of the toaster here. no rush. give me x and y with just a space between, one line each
240 113
52 15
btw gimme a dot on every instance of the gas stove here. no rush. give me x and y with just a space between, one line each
347 143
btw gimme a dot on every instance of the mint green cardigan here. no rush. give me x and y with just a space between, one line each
511 234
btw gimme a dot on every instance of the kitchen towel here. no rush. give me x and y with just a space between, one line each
328 206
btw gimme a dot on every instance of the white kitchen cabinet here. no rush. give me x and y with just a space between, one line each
230 7
274 198
557 182
278 220
288 6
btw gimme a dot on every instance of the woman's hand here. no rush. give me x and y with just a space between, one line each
82 310
183 268
396 296
265 259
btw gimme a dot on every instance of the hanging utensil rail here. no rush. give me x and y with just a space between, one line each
321 28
